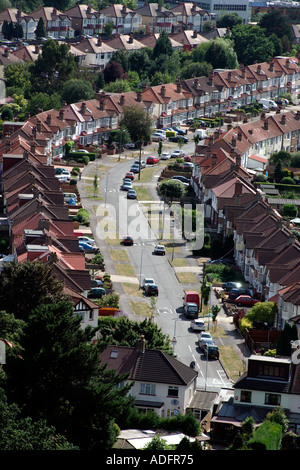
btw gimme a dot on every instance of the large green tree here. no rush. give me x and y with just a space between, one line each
25 286
59 378
138 122
52 68
75 90
251 44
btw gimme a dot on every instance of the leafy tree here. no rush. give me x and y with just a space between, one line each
195 69
40 31
17 75
138 122
19 433
282 156
43 101
113 71
59 378
288 334
139 61
162 46
171 189
229 20
126 332
278 416
117 86
25 286
275 23
76 90
251 44
52 68
108 29
122 58
220 53
7 113
158 443
278 173
263 312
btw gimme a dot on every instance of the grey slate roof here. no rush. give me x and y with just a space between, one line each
149 366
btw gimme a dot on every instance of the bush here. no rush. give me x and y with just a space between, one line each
287 180
82 216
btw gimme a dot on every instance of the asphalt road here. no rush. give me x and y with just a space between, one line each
169 315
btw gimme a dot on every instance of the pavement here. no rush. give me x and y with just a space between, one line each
233 337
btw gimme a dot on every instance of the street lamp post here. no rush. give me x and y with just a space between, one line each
141 264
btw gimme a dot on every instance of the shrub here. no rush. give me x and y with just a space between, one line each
82 216
287 180
244 323
267 436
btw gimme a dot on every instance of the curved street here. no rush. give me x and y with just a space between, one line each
143 263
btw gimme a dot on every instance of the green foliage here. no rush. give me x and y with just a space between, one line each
25 286
289 210
171 189
251 44
52 68
43 101
109 300
127 332
40 31
82 216
138 123
220 272
245 323
263 312
266 437
19 433
76 90
288 334
59 378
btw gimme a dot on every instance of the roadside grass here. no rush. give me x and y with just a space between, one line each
187 278
233 365
142 193
141 308
132 289
119 255
147 174
179 262
112 241
125 269
170 247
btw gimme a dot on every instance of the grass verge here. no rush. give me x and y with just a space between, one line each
187 278
119 255
124 269
140 308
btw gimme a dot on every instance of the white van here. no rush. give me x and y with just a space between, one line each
201 132
269 103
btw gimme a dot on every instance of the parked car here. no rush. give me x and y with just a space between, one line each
165 156
58 171
127 240
96 292
226 261
188 165
206 341
156 137
96 283
236 292
151 289
81 151
127 185
130 145
182 179
187 158
177 154
152 160
205 335
83 246
178 130
227 286
246 301
211 351
142 163
159 250
178 138
88 240
147 281
135 168
197 325
131 194
127 180
129 175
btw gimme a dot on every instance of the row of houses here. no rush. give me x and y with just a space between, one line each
89 123
84 20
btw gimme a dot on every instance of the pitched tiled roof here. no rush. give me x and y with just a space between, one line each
149 366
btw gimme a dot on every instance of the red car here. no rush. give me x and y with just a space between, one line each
130 175
245 301
152 160
127 241
187 158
